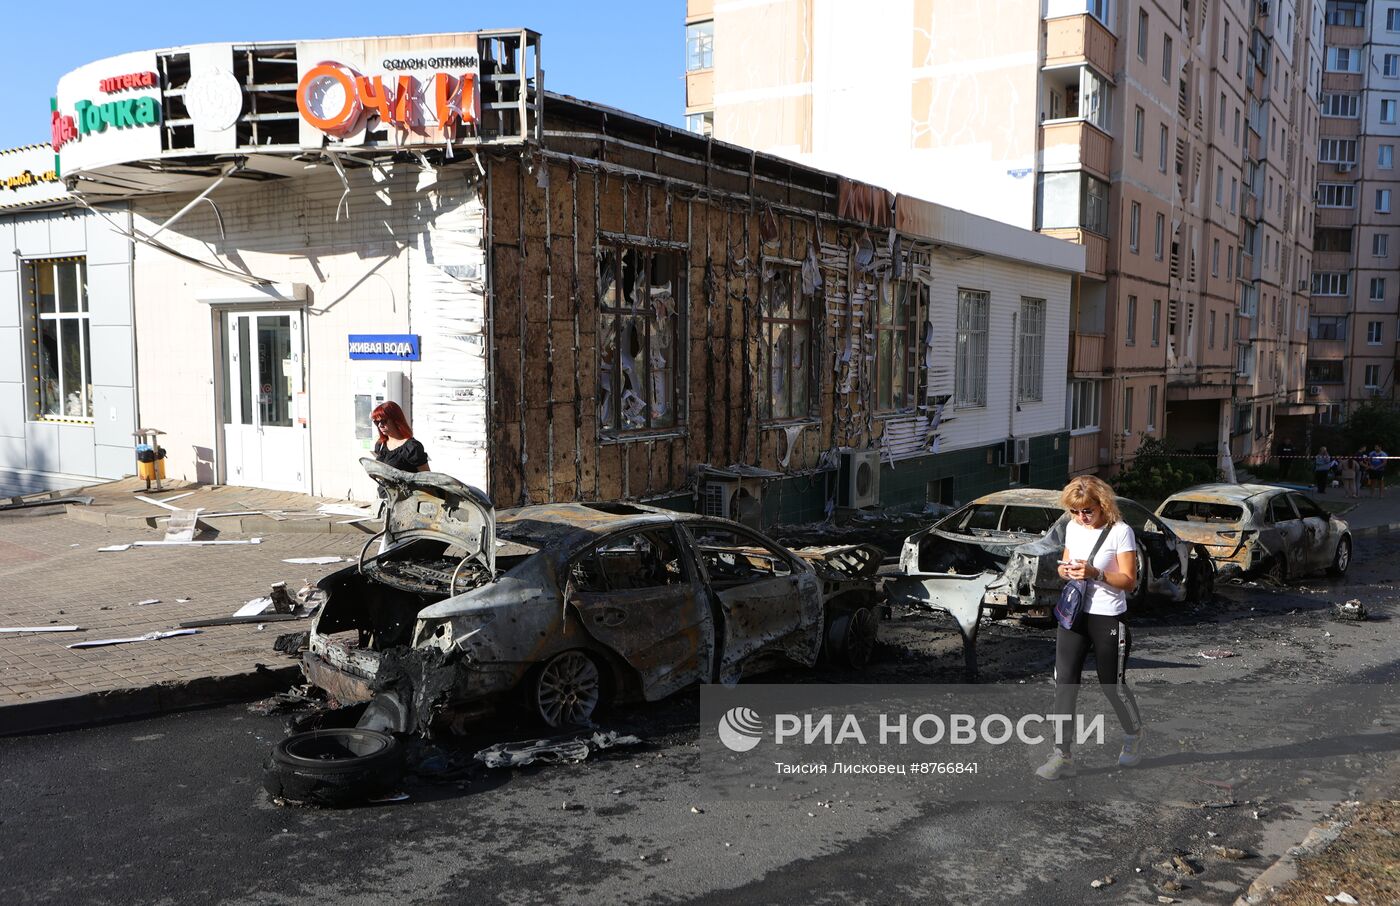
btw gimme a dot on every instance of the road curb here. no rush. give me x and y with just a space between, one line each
1285 868
1374 530
69 712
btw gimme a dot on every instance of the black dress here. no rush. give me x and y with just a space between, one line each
407 457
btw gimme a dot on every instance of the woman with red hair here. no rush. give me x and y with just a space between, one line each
396 446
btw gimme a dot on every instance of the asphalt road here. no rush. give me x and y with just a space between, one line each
171 810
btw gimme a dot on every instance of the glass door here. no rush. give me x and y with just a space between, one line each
264 437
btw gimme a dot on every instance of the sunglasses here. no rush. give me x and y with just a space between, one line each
1087 511
379 421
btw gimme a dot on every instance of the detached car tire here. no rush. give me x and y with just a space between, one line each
333 767
851 637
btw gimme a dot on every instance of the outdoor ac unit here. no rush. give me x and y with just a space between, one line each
1344 168
859 478
1314 390
737 498
1303 284
1263 7
1375 391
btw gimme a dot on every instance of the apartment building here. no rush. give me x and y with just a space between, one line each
1176 141
1352 329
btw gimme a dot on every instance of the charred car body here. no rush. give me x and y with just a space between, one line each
1000 553
568 605
1250 529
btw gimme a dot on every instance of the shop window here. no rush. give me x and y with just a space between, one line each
1032 352
60 349
789 379
971 354
899 320
641 313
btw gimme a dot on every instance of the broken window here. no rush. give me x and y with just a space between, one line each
60 348
641 302
636 560
899 323
734 557
788 378
971 353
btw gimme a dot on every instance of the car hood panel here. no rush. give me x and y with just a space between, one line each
436 505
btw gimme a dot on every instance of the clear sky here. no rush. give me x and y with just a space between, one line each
625 53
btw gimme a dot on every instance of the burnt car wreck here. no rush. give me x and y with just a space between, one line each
998 556
565 607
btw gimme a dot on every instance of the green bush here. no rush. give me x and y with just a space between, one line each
1156 473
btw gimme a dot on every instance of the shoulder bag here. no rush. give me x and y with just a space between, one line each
1074 597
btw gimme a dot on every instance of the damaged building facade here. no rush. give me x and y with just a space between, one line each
572 303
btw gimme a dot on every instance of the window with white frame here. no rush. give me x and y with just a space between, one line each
1212 328
1326 371
970 365
1127 410
1083 405
1152 408
699 45
1142 34
1073 200
1134 226
1159 229
1350 13
1215 257
1337 151
702 123
1382 201
641 322
1162 148
1377 289
1392 20
1380 245
1387 110
786 367
59 340
1337 104
1336 195
1343 59
1390 68
1130 325
1330 283
898 333
1373 333
1156 322
1385 157
1032 351
1098 9
1167 61
1331 414
1372 377
1138 127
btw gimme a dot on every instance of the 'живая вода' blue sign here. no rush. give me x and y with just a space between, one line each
398 347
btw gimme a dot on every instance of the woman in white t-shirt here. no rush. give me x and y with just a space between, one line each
1101 549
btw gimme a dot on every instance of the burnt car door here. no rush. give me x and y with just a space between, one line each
768 599
636 593
1315 530
1157 547
1285 537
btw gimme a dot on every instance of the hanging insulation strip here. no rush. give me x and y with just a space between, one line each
447 307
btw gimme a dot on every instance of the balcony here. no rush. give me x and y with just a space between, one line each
1075 144
1095 249
699 90
1084 452
1086 353
1079 39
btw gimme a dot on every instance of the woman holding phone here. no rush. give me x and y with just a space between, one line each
1101 550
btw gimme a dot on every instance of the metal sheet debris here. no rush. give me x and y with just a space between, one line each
239 621
1215 654
556 750
122 547
164 504
315 561
181 525
253 607
148 637
41 629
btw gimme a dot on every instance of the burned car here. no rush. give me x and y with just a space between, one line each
1000 553
1251 529
563 607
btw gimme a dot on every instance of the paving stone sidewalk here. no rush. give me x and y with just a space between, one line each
52 574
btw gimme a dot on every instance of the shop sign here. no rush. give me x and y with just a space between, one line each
395 347
103 113
29 176
423 96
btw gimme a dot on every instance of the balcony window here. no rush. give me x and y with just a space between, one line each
699 45
1083 406
1078 93
1346 106
1325 372
1349 14
1343 59
702 123
1073 200
1327 327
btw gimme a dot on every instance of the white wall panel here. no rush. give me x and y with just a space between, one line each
12 411
114 416
75 450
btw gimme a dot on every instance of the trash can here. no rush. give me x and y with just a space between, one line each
150 456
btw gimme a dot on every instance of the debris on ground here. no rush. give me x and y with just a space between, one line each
181 525
281 601
41 629
1105 881
1229 852
236 620
147 602
294 699
1352 611
1182 865
1173 886
556 750
1215 654
315 561
292 643
114 548
148 637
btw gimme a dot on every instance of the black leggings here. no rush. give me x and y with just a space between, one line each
1111 641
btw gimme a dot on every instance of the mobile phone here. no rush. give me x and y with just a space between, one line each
1066 562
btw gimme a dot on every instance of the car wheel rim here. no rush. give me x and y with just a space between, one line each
1343 556
569 687
862 636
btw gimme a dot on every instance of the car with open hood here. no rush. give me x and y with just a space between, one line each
1253 529
562 607
1000 554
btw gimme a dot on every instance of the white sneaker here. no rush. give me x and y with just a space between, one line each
1058 765
1132 749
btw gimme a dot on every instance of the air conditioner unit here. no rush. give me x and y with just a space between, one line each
1263 7
1303 284
733 497
1344 168
859 478
1314 389
1375 391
